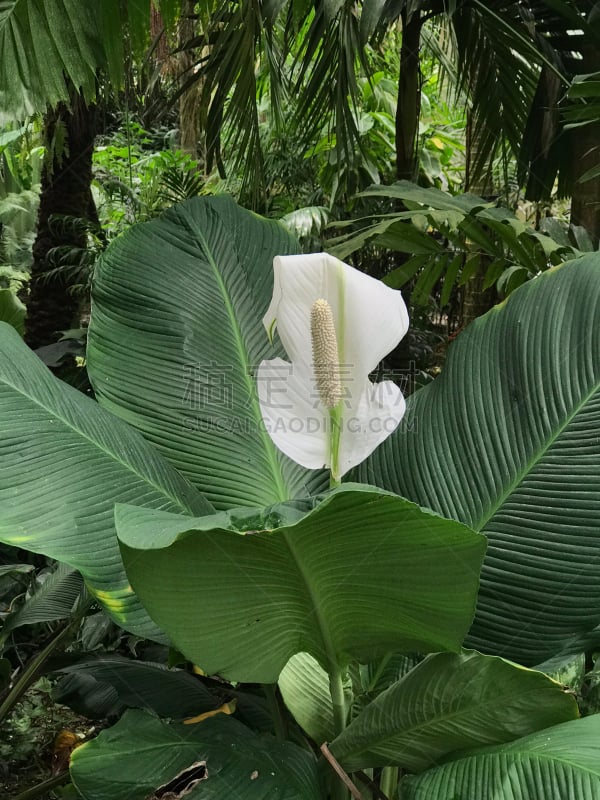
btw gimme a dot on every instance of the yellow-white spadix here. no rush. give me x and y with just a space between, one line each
336 324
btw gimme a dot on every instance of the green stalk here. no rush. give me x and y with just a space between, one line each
340 717
336 687
335 419
389 781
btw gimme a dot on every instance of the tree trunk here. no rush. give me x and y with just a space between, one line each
585 203
408 109
66 190
475 299
189 102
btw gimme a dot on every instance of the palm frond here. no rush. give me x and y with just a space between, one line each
229 75
330 54
44 42
498 69
41 42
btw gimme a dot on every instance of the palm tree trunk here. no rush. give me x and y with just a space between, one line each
66 190
408 111
409 97
475 299
189 102
585 203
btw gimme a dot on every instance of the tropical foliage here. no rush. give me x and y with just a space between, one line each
241 591
188 609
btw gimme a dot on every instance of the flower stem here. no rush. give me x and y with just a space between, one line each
335 419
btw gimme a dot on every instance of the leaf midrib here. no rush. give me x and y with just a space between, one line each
113 456
533 755
314 599
269 448
431 723
480 524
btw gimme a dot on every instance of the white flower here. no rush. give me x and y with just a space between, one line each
336 324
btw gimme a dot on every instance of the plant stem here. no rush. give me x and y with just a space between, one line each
335 420
43 788
340 713
389 781
336 687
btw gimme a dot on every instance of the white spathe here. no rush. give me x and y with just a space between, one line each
370 319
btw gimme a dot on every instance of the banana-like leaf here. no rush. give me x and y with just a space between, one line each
175 337
106 685
141 756
558 763
54 599
506 440
363 573
448 703
64 463
304 686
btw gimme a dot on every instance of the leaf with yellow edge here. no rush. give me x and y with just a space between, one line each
226 708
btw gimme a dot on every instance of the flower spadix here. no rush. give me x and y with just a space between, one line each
336 324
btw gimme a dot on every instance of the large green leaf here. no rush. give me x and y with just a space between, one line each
448 703
106 685
506 440
559 763
64 463
365 572
141 753
176 334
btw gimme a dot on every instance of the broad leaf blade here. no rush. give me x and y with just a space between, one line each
558 763
362 574
171 693
304 686
53 599
142 753
448 703
176 336
64 463
105 686
506 440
